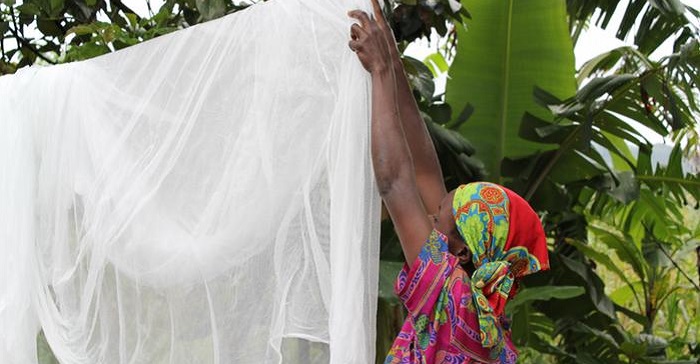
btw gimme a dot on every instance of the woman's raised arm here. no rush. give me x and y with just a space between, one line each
429 177
393 167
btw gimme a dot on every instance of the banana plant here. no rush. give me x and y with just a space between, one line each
651 22
505 50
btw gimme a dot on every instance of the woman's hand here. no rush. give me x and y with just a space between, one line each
372 40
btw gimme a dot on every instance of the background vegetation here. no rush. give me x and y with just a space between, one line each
621 217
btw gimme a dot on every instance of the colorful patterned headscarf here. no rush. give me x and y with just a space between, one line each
506 241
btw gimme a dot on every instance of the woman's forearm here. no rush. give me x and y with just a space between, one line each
393 167
427 166
390 153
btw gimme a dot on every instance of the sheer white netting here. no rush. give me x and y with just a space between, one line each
204 197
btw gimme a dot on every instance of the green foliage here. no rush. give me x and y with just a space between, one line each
69 30
658 20
507 49
528 295
44 354
588 164
412 19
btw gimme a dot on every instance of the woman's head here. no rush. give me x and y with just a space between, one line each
485 221
504 240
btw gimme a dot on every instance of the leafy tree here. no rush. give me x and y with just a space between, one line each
58 31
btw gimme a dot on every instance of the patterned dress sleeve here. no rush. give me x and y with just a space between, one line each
419 286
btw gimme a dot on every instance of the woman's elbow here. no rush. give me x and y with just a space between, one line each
396 180
385 185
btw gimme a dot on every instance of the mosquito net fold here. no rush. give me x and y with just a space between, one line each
204 197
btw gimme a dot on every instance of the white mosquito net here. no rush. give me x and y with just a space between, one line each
204 197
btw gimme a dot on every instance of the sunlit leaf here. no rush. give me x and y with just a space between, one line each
510 48
528 295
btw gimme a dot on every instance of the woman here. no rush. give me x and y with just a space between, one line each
465 262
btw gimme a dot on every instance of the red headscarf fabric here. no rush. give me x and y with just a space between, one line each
506 240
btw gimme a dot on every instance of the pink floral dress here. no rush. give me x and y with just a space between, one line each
442 324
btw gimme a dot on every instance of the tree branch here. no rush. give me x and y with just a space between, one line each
29 46
2 46
21 40
121 6
676 265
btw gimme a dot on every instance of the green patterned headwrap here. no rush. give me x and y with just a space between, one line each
506 240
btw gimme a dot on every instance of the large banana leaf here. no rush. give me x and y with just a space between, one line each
510 47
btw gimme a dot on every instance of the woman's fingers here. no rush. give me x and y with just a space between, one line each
361 16
356 32
368 41
378 15
354 45
382 24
